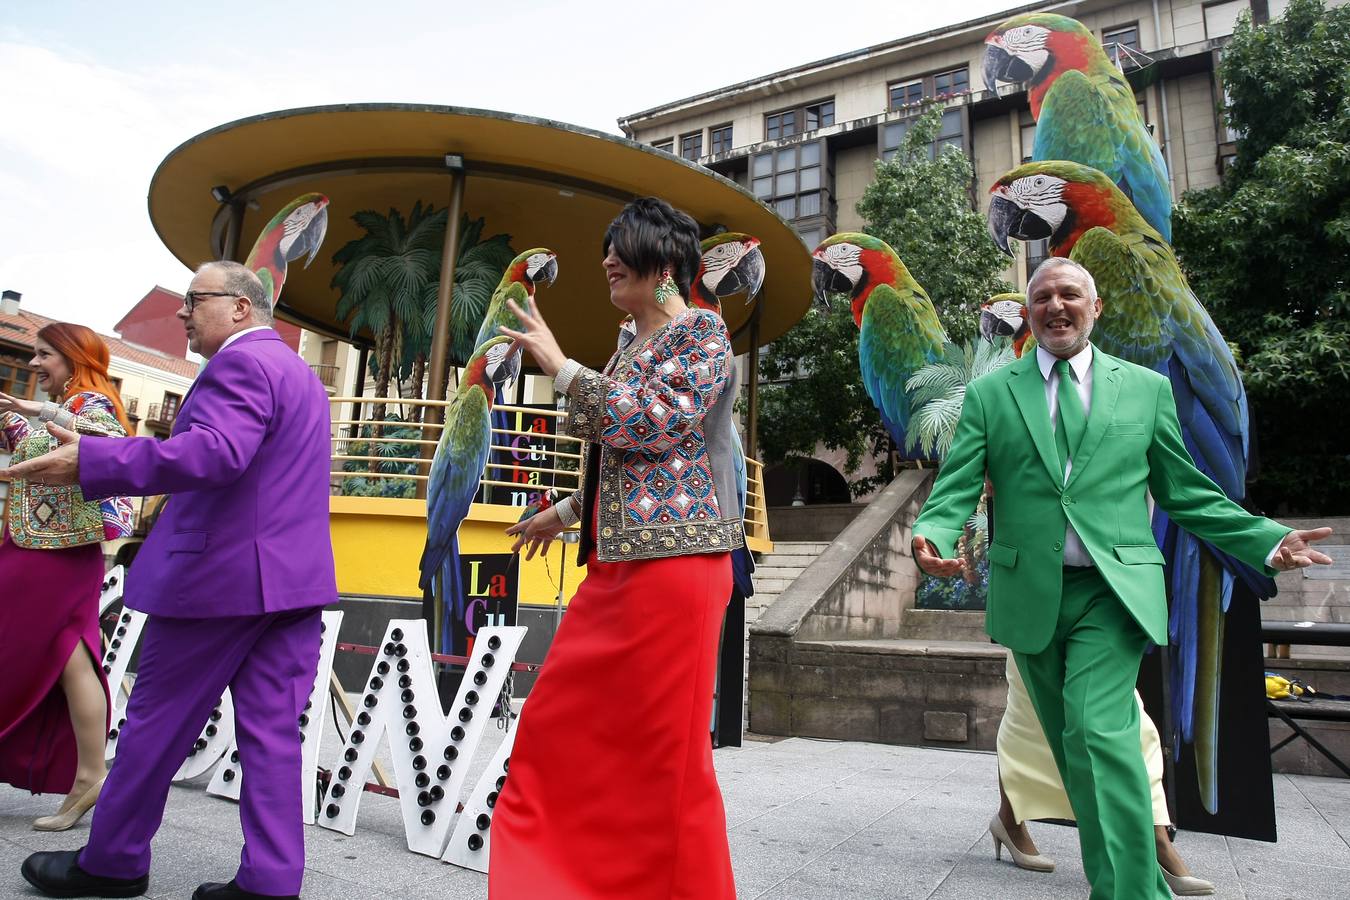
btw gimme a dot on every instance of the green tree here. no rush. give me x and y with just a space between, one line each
1268 251
920 204
395 448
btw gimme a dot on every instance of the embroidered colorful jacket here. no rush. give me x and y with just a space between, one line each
50 517
657 463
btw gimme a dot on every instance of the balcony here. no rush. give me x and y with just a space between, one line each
160 416
327 374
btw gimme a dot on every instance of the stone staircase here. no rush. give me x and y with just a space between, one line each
773 573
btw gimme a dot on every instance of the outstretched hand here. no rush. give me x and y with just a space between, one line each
60 466
927 559
535 336
538 531
19 405
1296 552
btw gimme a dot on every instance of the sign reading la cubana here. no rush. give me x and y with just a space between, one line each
525 443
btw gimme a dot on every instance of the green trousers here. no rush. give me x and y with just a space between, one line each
1082 686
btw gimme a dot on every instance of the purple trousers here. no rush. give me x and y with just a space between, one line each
268 662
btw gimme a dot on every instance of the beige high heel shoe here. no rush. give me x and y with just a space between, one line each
1030 861
1186 885
69 815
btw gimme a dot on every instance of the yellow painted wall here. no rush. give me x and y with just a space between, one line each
377 543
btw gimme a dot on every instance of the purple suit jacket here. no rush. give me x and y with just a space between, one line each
246 530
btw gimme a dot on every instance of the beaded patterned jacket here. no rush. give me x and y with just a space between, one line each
657 462
52 517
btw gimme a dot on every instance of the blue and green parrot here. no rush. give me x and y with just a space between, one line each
1084 108
296 230
1151 317
456 467
898 328
731 263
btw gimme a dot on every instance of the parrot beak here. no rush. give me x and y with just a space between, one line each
748 275
1000 66
988 325
314 234
548 272
1008 220
826 280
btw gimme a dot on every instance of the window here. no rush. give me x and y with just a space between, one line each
170 406
931 87
785 124
666 144
952 133
949 84
16 379
1126 36
1028 133
793 180
1221 18
691 145
906 93
820 115
719 139
1037 253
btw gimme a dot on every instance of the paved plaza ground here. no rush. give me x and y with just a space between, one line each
808 819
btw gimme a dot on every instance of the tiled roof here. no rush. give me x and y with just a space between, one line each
22 329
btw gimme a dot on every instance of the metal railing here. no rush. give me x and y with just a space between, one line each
161 414
327 374
525 460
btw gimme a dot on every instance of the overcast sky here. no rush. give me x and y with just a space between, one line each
94 94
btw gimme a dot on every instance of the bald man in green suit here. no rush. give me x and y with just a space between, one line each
1074 441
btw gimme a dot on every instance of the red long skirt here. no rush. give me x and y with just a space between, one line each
48 608
611 791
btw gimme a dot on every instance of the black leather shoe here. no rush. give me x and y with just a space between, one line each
214 890
58 874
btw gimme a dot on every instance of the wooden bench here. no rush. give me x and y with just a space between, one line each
1288 711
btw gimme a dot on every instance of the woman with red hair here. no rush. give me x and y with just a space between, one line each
53 696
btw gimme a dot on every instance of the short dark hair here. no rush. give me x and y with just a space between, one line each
244 282
650 235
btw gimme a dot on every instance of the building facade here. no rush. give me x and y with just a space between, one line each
806 139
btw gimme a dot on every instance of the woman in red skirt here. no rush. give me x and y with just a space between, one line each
53 696
600 804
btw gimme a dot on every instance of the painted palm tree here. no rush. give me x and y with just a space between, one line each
479 265
937 392
388 281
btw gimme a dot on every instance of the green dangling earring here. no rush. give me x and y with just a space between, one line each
665 288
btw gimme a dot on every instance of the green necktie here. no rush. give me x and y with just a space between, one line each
1070 422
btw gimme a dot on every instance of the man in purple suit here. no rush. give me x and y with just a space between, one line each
232 578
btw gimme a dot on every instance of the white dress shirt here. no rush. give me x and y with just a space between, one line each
238 334
1080 365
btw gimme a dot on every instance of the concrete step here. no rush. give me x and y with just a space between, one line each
777 585
942 625
800 547
788 559
778 571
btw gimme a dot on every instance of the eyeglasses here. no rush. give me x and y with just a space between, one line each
191 298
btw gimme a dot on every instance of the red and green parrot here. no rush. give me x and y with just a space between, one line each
456 467
1005 316
731 263
296 230
518 283
898 328
1084 108
1151 317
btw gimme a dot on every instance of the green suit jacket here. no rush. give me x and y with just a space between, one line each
1132 445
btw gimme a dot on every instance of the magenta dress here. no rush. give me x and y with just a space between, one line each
48 607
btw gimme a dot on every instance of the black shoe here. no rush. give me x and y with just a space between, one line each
58 874
214 890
